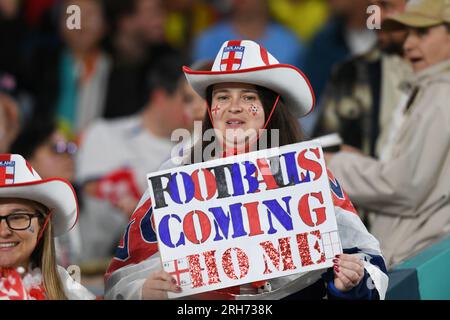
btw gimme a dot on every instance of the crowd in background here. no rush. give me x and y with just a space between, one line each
97 106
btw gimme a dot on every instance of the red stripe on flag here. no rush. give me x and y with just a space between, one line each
264 55
29 167
345 203
3 175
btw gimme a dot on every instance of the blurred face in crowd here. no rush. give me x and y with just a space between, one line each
16 246
54 158
425 47
249 7
9 122
390 41
180 5
171 108
150 15
345 7
237 112
9 8
92 26
194 105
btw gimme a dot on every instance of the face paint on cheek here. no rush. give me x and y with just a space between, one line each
215 110
31 229
254 110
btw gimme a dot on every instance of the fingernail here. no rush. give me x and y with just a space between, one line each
335 260
178 289
336 268
337 256
174 281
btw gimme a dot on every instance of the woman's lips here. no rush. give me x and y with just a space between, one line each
234 123
7 246
415 60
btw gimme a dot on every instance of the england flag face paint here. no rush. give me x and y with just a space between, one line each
215 110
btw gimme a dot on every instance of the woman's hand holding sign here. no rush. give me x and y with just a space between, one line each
157 285
348 271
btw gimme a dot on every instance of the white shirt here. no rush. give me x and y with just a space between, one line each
108 146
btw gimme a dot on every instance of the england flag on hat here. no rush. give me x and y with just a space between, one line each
232 56
6 171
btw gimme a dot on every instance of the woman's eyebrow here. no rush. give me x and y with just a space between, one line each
18 209
220 91
226 91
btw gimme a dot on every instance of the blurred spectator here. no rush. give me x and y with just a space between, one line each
12 33
194 104
151 17
363 91
116 155
186 19
304 17
70 83
35 10
9 122
136 43
51 154
195 110
250 19
345 35
9 112
125 39
407 190
47 150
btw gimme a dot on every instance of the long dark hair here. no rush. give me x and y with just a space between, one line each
282 119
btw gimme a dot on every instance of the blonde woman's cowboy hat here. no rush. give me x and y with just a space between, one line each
246 61
19 180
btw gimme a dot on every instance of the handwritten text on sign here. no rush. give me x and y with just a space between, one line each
246 218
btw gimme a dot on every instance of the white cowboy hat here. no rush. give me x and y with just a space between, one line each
247 62
19 180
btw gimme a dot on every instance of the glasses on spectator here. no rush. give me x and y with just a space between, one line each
19 220
61 147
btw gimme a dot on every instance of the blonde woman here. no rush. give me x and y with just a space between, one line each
32 212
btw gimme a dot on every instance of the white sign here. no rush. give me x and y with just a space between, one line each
246 218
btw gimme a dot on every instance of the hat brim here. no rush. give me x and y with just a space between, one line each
286 80
56 194
405 20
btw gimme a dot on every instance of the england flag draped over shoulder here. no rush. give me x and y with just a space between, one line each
137 257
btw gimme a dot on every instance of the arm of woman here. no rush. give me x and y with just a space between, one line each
360 272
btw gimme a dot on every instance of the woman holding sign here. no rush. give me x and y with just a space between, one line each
248 90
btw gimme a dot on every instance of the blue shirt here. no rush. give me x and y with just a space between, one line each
280 42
